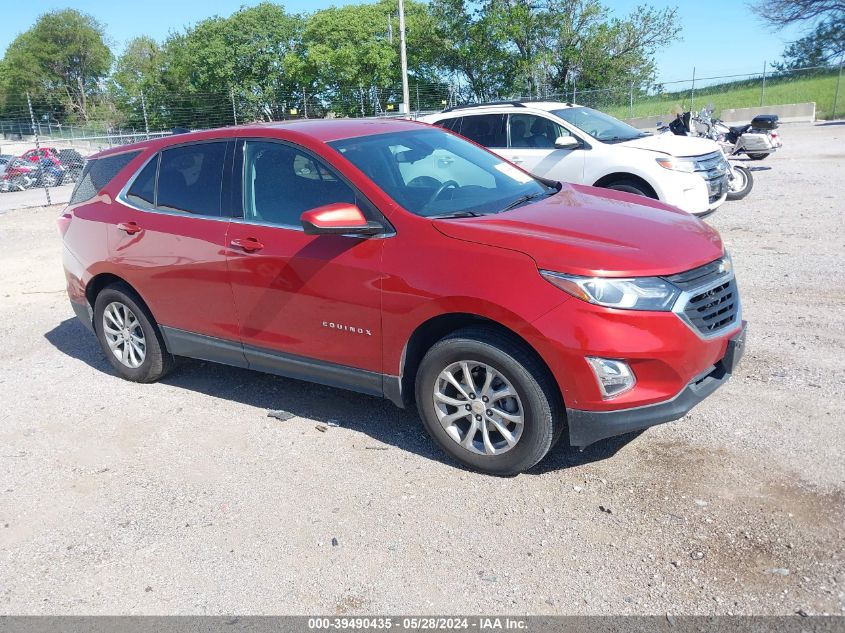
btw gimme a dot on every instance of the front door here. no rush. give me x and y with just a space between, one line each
301 297
532 146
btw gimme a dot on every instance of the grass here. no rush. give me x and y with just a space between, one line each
819 87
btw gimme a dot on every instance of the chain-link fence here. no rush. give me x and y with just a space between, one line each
42 149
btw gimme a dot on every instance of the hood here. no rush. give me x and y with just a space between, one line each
590 231
673 144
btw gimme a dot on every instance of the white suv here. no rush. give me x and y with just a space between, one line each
581 145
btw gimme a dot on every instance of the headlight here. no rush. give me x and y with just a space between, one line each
677 164
634 293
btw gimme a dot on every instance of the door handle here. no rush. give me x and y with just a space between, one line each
130 228
248 244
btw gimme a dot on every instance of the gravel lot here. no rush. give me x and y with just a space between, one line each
184 497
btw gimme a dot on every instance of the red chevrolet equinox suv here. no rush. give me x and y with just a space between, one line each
399 260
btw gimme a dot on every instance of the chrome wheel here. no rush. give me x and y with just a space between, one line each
478 408
738 180
124 335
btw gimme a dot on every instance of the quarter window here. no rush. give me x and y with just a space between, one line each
190 178
280 183
97 174
142 192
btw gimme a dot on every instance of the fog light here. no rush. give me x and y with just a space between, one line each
614 377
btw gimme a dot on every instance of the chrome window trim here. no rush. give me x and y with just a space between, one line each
685 296
299 229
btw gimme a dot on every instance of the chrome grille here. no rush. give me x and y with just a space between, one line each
710 300
698 277
714 169
711 311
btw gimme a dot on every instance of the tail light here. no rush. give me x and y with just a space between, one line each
63 222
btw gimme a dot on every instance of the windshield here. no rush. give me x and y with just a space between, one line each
433 173
599 125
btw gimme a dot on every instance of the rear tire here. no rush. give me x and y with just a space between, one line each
756 156
742 183
129 335
631 186
467 424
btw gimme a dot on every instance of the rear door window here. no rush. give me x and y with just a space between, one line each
97 174
190 178
451 124
485 129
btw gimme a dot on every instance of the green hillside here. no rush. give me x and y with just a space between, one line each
819 87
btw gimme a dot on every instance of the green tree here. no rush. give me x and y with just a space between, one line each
62 59
824 45
249 54
352 62
468 52
137 75
529 48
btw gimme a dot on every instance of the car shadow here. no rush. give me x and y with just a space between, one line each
327 406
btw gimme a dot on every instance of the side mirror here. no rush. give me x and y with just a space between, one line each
338 218
567 142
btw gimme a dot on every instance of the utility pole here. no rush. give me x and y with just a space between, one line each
406 99
692 91
146 122
836 94
763 87
37 144
234 111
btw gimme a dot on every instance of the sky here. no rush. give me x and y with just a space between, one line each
719 37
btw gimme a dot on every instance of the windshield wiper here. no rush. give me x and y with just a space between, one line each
621 139
455 214
524 199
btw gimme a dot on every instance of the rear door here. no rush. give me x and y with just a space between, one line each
168 240
531 145
317 297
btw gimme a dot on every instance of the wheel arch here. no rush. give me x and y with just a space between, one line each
619 176
429 332
102 280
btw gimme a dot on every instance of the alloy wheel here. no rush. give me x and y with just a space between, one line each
478 407
124 334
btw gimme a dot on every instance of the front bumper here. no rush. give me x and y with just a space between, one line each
587 427
694 193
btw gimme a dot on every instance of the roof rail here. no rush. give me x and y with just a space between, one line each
515 104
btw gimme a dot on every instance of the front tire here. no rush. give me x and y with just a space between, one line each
741 183
631 186
129 336
487 401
